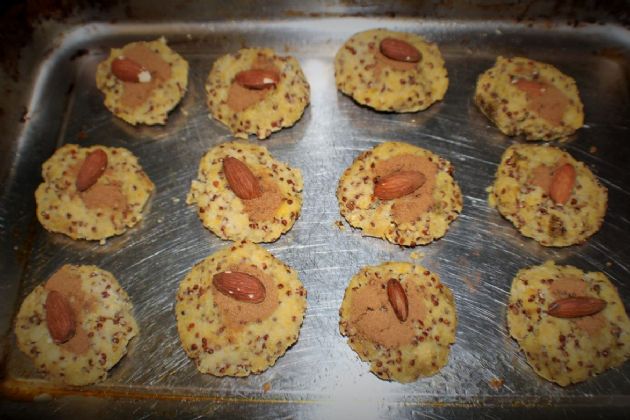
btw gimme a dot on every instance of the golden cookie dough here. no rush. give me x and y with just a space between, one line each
110 206
261 219
415 219
521 194
567 350
104 325
372 79
523 96
259 112
400 351
227 337
144 103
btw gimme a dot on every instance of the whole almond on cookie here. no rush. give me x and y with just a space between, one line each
575 307
91 170
257 79
240 286
241 179
399 50
60 318
128 70
562 183
398 299
398 184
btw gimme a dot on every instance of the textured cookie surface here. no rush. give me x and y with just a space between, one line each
225 336
144 103
261 219
567 350
521 193
105 325
110 206
400 351
259 112
372 79
414 219
523 96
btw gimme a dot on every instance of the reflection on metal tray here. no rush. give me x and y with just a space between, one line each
477 259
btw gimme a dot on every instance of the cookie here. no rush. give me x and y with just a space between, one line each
525 192
160 82
232 334
416 218
526 97
409 82
399 350
260 219
101 326
256 91
107 208
567 350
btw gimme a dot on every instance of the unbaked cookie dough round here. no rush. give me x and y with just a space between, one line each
103 325
567 350
256 91
523 192
371 78
413 219
523 96
397 350
107 208
226 336
261 219
164 82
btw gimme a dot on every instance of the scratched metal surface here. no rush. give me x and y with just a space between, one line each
320 376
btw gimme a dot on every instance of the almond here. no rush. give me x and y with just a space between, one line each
240 286
91 170
399 50
398 299
531 88
398 184
575 307
59 317
562 183
128 70
241 179
257 79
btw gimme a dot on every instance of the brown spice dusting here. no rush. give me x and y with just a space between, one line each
102 195
593 324
565 287
412 206
241 98
235 313
544 99
68 283
264 207
136 94
373 317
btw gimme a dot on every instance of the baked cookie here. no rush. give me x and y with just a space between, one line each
548 195
256 91
391 71
399 318
77 325
523 96
238 310
571 325
113 202
255 197
425 196
143 81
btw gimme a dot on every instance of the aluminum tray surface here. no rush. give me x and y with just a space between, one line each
477 258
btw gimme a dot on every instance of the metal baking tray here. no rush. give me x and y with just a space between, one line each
319 376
